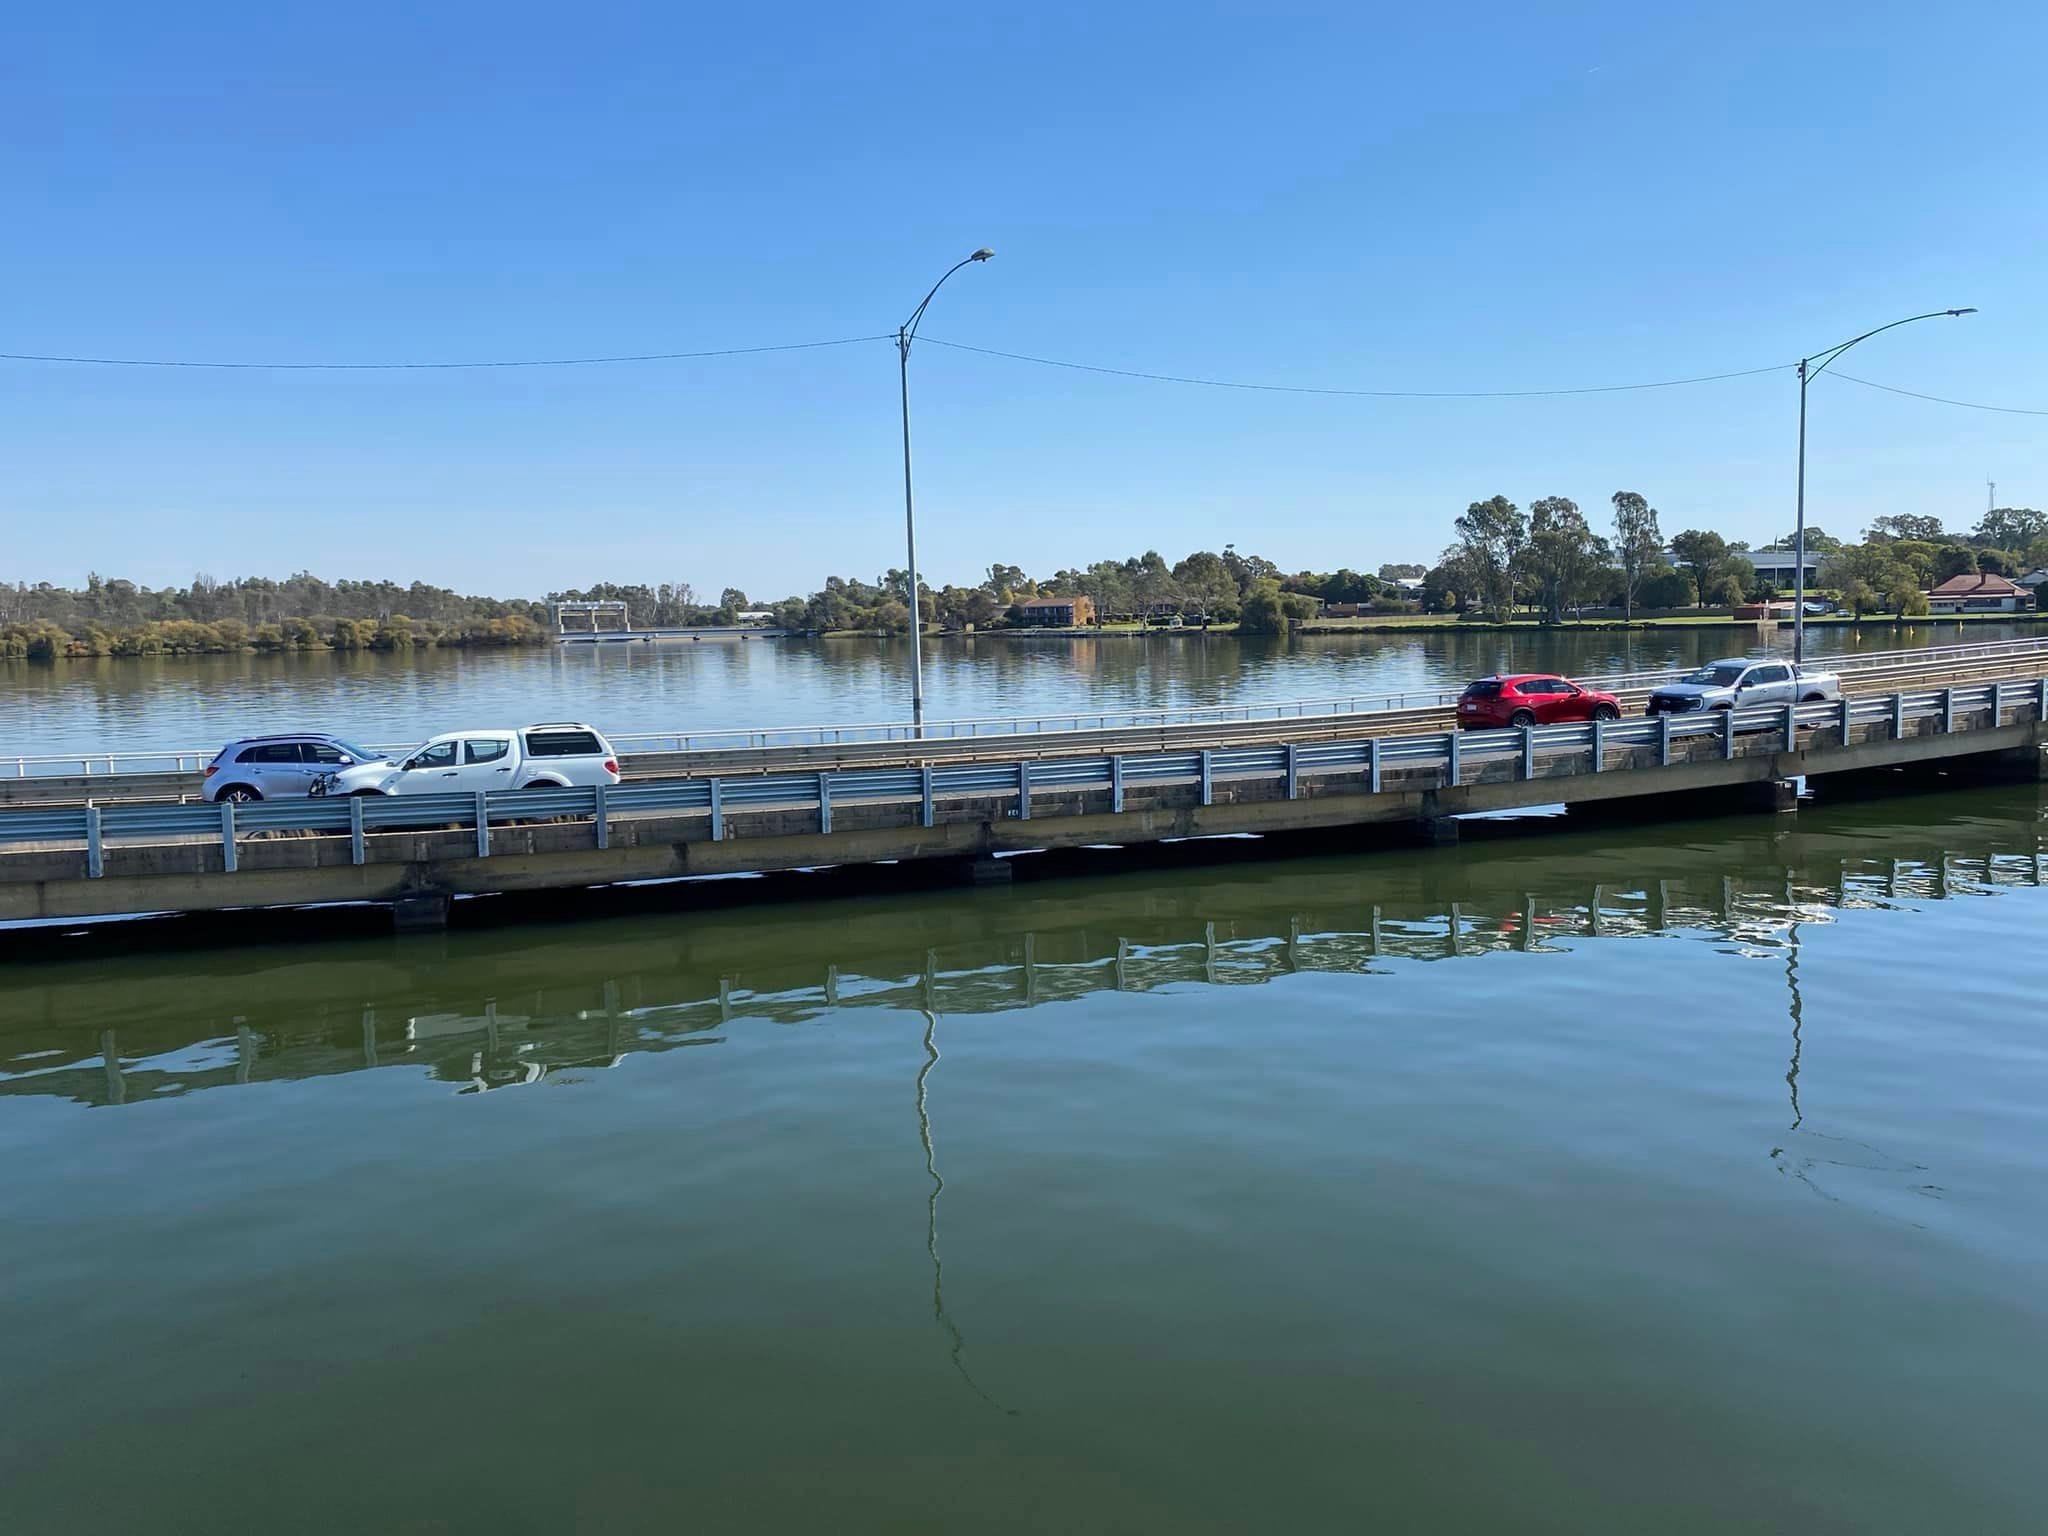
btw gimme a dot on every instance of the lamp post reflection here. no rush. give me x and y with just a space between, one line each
958 1345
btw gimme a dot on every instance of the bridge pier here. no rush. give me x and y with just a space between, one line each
1778 796
983 871
419 914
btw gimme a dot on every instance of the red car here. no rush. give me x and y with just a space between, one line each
1532 698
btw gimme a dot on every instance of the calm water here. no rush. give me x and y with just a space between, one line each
1610 1181
200 702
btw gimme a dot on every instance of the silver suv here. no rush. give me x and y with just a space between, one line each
279 767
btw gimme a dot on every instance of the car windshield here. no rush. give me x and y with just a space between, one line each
1721 675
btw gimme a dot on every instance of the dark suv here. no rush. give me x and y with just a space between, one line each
279 767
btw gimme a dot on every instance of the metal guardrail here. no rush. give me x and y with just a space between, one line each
767 738
931 785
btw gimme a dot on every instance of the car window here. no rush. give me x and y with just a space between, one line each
564 744
1487 688
485 749
320 752
271 752
1771 674
440 755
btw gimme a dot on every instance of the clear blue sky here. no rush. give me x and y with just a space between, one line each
1477 197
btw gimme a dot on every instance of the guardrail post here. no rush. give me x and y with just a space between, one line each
483 827
1845 719
1024 790
1293 770
824 802
1528 752
1599 745
717 811
1451 752
1898 717
1791 727
1727 734
603 822
925 788
2041 700
1116 785
1948 710
355 829
1997 705
94 863
227 836
1372 759
1208 779
1664 740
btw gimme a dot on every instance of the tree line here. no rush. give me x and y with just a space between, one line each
1553 560
1550 560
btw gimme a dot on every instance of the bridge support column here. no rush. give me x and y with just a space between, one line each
1772 795
1431 828
419 914
984 871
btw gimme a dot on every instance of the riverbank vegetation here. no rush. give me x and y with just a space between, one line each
1548 565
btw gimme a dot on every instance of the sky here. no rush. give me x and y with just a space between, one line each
1481 197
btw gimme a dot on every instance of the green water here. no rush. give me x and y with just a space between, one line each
1690 1179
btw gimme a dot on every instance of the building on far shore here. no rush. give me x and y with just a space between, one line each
1055 612
1980 592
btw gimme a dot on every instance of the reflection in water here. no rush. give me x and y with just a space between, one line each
510 1009
931 1220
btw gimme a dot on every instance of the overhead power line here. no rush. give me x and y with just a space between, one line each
1368 394
1968 405
516 362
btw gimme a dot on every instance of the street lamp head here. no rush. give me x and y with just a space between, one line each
1962 311
981 255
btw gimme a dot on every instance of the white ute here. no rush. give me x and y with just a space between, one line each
556 756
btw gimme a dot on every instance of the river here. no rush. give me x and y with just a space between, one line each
1680 1179
188 703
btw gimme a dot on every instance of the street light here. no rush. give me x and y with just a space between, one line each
1807 374
905 334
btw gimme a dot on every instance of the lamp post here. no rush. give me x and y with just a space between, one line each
1810 368
905 334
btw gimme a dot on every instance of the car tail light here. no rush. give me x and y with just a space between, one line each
611 765
211 770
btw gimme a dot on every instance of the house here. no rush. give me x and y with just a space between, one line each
1055 612
2033 579
1980 592
1780 567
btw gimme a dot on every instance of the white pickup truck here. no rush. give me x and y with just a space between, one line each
1741 682
556 756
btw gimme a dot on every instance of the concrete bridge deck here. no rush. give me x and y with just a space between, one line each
418 852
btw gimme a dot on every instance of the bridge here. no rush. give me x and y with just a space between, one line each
1304 775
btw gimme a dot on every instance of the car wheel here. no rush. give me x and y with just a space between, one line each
366 794
1522 719
541 784
241 794
1606 712
1815 698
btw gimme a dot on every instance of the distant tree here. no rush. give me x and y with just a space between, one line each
2011 527
1699 550
1818 541
1638 547
1400 572
1953 560
733 598
1493 539
1565 556
1667 587
1724 590
1905 525
1996 562
1265 610
1911 602
1858 597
